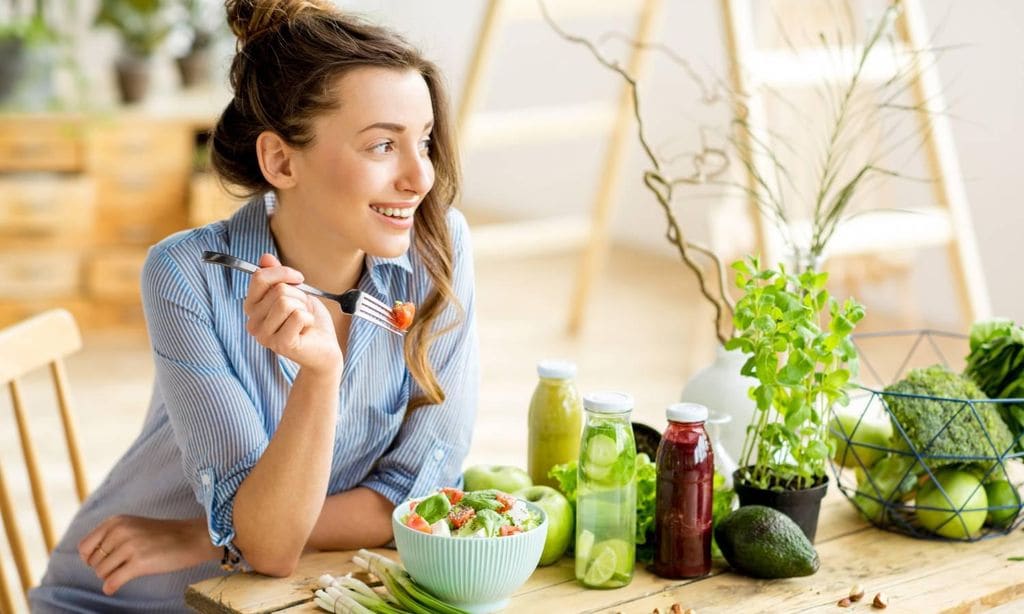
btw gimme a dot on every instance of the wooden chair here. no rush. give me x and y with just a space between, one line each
38 342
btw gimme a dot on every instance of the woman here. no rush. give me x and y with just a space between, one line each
277 423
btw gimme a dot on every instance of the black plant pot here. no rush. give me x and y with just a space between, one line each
194 68
12 65
802 506
132 78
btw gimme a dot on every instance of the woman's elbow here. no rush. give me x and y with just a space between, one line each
275 565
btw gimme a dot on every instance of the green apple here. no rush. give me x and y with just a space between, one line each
1002 494
561 520
505 478
850 432
888 480
964 493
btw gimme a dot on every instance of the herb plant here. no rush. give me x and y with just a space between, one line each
802 365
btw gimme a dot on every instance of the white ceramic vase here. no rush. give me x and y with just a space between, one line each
722 389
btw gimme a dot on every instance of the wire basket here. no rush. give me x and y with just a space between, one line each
892 482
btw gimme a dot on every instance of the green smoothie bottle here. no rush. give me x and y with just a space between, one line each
606 493
555 420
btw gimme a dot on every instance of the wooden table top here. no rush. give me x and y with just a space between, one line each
916 575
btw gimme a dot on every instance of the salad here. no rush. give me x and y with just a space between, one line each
451 512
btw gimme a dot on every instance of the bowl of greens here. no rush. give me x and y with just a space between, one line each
470 549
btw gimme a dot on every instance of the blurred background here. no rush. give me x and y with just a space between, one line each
105 106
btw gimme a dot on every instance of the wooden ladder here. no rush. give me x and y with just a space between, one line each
946 223
549 123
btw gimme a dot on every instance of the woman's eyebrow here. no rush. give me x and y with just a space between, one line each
392 127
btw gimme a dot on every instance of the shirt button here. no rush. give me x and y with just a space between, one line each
206 480
438 454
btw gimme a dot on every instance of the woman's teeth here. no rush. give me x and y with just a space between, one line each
403 212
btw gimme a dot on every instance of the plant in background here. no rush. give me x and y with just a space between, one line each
802 364
143 25
19 36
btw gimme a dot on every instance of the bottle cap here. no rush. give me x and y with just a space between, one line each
608 402
687 412
556 369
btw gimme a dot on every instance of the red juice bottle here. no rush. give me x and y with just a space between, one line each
682 520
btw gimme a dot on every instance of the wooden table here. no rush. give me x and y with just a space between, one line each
917 575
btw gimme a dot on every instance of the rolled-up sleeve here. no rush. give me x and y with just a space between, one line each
434 439
215 422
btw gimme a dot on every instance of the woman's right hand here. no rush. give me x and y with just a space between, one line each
288 321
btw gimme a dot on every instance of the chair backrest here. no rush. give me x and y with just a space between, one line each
39 342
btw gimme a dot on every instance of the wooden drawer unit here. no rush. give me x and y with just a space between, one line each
40 143
45 205
209 201
142 170
36 274
115 275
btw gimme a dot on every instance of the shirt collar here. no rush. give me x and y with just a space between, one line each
249 238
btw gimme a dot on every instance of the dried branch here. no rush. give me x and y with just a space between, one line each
709 162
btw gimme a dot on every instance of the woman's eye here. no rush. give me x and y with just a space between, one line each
425 144
382 148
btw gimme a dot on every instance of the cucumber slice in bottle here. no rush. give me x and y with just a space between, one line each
602 450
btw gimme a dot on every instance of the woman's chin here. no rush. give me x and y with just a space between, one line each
392 247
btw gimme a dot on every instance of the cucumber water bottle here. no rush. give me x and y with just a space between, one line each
606 494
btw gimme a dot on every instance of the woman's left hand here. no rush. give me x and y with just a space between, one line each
122 548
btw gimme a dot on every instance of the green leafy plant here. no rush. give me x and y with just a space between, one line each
142 24
802 365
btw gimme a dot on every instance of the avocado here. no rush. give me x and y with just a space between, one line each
765 543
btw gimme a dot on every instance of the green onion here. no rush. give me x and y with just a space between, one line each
401 585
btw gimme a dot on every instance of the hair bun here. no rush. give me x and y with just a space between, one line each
250 19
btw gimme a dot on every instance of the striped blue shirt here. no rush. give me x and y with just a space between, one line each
219 396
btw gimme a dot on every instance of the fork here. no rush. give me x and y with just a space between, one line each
353 302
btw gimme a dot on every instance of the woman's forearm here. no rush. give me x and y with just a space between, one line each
357 518
278 503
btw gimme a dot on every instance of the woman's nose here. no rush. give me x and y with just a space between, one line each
417 174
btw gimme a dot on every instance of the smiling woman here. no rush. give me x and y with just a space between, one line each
277 423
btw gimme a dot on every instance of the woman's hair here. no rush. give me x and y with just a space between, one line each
290 55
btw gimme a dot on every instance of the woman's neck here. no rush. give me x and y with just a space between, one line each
324 263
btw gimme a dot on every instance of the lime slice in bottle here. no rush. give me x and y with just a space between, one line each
602 450
622 555
584 544
601 568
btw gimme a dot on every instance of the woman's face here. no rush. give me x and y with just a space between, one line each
368 167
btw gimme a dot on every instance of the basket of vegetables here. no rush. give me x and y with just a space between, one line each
932 443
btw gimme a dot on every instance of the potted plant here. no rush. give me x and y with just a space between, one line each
797 340
143 25
23 41
201 19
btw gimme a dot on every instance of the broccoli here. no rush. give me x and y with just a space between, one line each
945 426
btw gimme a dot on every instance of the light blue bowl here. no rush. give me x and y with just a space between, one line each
477 574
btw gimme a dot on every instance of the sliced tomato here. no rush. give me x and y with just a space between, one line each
454 495
507 530
417 522
402 314
506 501
460 515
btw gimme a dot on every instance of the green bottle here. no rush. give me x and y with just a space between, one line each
555 420
606 493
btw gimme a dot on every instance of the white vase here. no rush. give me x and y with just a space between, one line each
722 389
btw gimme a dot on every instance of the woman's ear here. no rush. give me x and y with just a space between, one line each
275 158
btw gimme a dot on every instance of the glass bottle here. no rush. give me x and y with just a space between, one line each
606 493
554 421
682 517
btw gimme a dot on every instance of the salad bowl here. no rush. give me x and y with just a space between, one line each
475 573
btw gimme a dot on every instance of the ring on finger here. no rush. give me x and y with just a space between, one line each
105 553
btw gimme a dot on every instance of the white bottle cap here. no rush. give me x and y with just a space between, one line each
556 369
687 412
608 402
